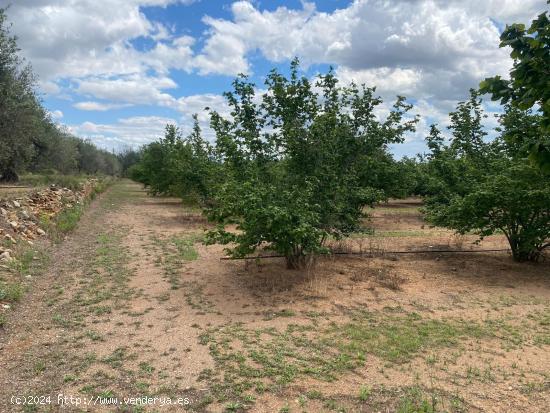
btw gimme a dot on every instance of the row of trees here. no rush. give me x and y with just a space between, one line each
29 139
292 167
296 167
298 164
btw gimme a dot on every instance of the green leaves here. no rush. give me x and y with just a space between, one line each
488 187
528 85
298 163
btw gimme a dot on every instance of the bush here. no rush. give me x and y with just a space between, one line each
297 165
488 187
73 182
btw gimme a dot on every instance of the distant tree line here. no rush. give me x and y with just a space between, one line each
29 139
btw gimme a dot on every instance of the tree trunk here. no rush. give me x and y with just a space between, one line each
295 261
9 175
522 252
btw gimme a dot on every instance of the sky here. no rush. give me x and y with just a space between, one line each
117 71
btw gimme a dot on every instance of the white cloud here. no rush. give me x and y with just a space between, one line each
429 50
134 89
56 114
98 106
133 131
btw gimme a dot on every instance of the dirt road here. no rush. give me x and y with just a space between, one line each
134 306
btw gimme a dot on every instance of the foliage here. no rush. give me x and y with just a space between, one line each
299 166
177 166
127 158
486 187
30 140
528 85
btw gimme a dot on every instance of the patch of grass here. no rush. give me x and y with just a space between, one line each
146 368
364 393
395 211
195 298
185 246
277 358
61 321
396 338
415 401
116 358
542 339
39 366
11 291
93 335
73 182
175 252
68 218
69 378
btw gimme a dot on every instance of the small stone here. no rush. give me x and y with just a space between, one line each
5 256
40 231
14 224
16 204
10 238
3 211
6 306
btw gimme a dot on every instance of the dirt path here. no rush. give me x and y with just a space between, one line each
133 305
110 316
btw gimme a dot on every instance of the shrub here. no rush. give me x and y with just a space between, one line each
297 163
488 187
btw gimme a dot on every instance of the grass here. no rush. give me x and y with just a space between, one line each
395 211
68 218
10 292
364 393
175 251
73 182
271 359
398 339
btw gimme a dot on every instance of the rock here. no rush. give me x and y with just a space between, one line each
14 224
10 238
5 256
6 306
3 212
40 231
16 204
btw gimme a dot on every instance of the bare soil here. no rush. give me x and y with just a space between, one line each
133 304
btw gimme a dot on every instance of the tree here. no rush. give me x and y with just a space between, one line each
486 187
20 113
528 85
177 166
29 139
296 163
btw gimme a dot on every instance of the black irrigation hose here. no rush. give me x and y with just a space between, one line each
371 254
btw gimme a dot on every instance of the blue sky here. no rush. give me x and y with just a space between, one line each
116 71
